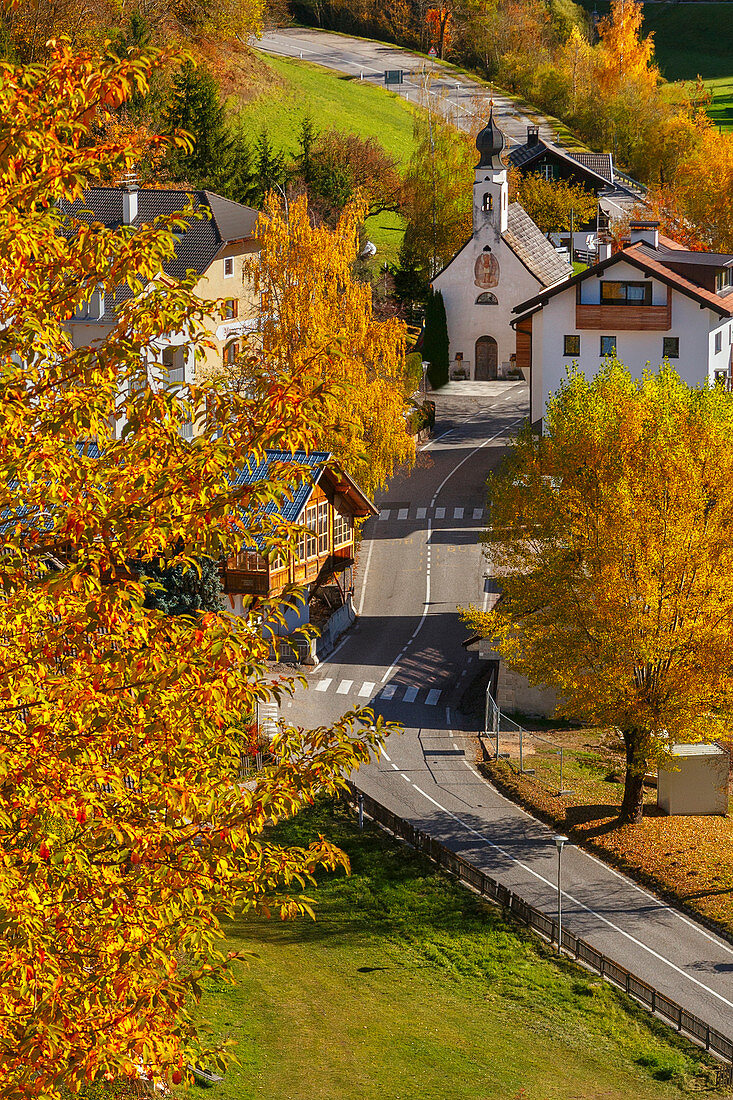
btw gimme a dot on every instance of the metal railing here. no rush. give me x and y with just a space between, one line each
517 743
658 1003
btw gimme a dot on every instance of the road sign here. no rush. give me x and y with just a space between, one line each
393 76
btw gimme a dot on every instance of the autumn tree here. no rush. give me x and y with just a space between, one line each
625 56
344 166
125 836
310 304
437 193
610 537
555 206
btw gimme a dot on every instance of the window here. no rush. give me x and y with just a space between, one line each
724 279
718 342
488 203
722 379
323 527
228 267
486 298
311 522
670 347
571 345
251 561
608 345
231 308
343 529
548 171
633 294
231 353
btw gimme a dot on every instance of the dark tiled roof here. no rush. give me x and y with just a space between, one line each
522 155
532 247
600 163
669 256
290 510
197 247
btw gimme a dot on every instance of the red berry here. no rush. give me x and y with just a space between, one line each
134 857
176 1077
43 850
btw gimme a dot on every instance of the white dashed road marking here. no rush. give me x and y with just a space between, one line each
366 689
344 687
403 513
410 695
421 513
440 513
433 696
323 685
457 513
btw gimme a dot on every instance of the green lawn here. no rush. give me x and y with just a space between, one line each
408 987
331 100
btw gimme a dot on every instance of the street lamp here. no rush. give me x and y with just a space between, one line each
560 842
425 365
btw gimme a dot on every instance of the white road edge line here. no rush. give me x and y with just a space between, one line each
575 901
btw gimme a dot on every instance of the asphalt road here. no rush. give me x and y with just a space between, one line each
418 561
464 100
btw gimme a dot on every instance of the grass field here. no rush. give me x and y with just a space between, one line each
331 100
408 987
688 857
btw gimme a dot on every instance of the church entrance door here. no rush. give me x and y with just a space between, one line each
487 359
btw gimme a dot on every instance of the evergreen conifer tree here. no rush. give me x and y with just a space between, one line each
195 107
179 591
435 344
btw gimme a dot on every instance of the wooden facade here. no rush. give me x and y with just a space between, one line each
324 552
626 316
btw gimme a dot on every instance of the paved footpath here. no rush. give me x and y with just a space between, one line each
419 559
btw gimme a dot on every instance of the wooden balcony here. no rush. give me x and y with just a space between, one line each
612 318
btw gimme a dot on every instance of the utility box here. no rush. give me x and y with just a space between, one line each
699 783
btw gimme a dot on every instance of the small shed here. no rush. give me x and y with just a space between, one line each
699 782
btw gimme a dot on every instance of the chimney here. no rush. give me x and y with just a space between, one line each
533 135
129 202
605 245
646 232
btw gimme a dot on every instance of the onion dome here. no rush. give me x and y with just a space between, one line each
490 142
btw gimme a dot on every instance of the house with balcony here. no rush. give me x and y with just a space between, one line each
652 300
325 505
214 246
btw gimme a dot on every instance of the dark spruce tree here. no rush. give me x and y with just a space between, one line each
180 591
435 347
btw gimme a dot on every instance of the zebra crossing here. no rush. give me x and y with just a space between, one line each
407 512
395 693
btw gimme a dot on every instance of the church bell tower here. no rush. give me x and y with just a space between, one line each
490 189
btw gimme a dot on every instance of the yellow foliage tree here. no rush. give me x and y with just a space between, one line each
316 320
610 537
624 57
556 205
125 835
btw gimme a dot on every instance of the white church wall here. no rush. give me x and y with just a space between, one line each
467 320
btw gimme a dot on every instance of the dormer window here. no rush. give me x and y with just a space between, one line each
723 279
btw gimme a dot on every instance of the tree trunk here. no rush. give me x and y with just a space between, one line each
632 806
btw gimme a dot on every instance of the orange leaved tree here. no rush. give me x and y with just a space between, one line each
610 536
124 834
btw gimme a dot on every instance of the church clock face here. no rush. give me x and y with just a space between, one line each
486 270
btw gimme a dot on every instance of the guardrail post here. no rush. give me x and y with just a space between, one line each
360 801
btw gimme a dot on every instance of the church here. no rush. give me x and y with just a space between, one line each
507 260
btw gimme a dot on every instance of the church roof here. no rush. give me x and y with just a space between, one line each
532 247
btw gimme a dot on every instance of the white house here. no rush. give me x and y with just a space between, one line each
506 260
650 301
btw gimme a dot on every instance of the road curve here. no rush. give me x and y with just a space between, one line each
419 560
452 93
